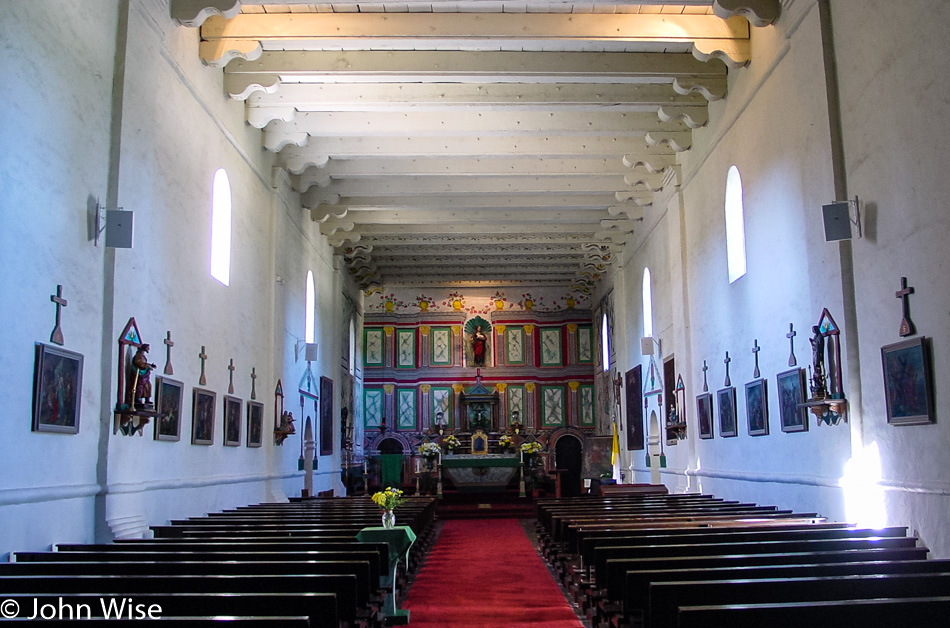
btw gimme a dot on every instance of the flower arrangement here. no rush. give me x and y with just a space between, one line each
429 450
505 441
451 441
534 447
389 499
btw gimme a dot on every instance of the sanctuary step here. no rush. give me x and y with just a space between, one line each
495 505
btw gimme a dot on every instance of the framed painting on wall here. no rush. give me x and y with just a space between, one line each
704 414
255 423
633 383
168 397
232 421
791 394
326 416
202 416
57 390
757 407
727 411
908 382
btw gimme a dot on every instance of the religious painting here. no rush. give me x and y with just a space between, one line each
704 414
406 409
633 381
255 423
908 384
551 346
168 398
727 411
326 416
552 406
373 347
440 346
57 390
232 421
791 394
405 349
202 416
597 453
757 407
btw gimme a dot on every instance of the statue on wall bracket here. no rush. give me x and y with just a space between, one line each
827 401
134 407
478 347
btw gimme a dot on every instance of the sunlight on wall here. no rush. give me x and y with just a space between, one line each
311 307
863 494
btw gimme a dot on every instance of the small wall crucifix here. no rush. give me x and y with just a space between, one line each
792 361
168 353
907 326
705 384
231 377
253 383
57 336
755 351
728 381
202 380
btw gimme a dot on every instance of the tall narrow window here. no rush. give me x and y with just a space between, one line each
647 303
735 225
221 227
311 306
605 343
352 348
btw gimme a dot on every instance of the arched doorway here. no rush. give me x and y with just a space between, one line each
568 459
390 462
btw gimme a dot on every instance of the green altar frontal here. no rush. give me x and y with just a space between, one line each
481 472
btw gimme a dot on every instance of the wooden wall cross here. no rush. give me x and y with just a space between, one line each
728 381
253 383
755 351
907 326
57 336
168 353
792 361
202 380
705 384
231 377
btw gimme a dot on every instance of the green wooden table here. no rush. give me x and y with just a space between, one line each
399 539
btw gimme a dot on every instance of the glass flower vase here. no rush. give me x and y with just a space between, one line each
389 519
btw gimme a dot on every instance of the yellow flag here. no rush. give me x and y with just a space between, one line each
615 445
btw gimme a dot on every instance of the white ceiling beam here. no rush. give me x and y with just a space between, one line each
506 184
469 216
483 31
508 228
576 202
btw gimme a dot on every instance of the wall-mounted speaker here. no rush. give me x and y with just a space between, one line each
646 345
310 353
119 229
837 219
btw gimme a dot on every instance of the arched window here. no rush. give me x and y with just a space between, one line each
735 225
352 348
311 304
647 303
221 227
605 342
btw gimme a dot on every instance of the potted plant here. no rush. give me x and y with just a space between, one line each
451 442
505 442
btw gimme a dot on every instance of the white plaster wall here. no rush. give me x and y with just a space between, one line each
54 159
177 129
890 60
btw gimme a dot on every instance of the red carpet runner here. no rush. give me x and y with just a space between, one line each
485 573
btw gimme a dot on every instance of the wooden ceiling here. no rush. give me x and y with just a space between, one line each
477 143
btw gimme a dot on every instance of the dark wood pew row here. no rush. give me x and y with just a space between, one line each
603 601
639 581
344 587
920 612
317 610
667 597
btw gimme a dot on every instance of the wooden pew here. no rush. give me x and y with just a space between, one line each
666 597
318 608
343 586
921 612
